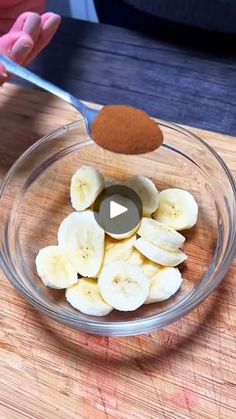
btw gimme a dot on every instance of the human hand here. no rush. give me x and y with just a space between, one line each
28 34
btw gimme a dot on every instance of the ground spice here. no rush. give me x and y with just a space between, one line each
126 130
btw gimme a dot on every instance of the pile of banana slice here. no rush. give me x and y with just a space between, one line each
101 273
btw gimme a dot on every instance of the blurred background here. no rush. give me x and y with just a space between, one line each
78 9
218 15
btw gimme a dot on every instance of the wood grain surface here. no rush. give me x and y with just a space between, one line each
49 371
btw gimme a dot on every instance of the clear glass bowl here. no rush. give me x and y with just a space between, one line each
34 198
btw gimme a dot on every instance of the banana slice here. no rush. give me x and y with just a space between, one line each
124 235
147 192
85 297
158 255
80 234
177 208
160 235
118 250
55 268
86 184
150 268
135 257
123 285
164 284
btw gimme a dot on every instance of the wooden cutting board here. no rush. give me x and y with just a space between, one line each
48 371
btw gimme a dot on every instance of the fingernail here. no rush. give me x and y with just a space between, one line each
52 23
32 24
21 46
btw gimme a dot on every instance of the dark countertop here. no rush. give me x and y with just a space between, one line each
171 80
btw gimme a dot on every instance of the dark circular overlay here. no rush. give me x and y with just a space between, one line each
112 197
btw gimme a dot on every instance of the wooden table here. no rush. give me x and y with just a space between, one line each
48 371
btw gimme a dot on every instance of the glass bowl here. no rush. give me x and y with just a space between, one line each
34 198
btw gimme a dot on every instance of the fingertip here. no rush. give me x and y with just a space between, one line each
48 15
49 25
25 39
22 47
8 41
32 25
50 21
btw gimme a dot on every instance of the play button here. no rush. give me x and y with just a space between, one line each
118 209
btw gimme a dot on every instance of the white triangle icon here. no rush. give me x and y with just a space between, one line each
116 209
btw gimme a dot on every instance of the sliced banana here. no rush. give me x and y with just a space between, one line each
164 284
55 268
80 234
150 268
135 257
86 297
86 184
160 234
122 236
118 250
147 192
177 208
158 255
123 285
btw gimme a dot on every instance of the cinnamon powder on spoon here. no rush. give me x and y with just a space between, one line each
126 130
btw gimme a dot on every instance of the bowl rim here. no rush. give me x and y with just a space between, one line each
129 327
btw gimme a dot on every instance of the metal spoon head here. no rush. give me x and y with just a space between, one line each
89 116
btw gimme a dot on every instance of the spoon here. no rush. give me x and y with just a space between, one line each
88 113
119 128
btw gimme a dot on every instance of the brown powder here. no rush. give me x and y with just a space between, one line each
126 130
